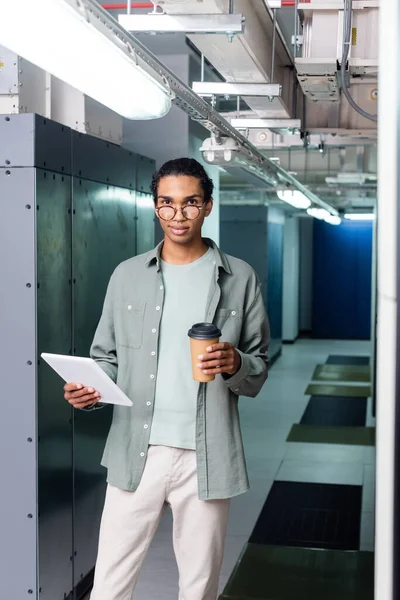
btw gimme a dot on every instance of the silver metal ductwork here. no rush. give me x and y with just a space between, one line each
199 110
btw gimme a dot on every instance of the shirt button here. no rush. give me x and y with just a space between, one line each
158 307
130 307
145 426
148 403
161 287
233 313
142 454
153 353
151 376
153 330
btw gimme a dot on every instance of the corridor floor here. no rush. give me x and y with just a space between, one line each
266 423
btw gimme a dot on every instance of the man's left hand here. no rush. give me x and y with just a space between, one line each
220 358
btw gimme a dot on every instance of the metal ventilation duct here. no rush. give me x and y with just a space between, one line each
198 109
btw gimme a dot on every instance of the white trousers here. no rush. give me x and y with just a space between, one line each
130 520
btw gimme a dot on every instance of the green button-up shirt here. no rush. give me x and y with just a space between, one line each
126 348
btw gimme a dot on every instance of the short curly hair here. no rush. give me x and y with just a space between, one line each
183 166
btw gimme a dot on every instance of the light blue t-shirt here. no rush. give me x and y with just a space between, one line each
186 292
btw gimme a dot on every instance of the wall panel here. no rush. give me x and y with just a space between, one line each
103 234
60 239
54 322
145 223
18 422
306 275
243 234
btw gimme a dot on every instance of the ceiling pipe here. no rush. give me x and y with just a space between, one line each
124 6
138 5
290 3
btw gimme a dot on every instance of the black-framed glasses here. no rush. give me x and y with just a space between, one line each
168 213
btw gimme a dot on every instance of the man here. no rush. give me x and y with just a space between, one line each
180 443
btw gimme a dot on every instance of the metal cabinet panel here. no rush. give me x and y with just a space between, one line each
18 515
33 141
243 234
104 230
145 222
255 234
145 169
102 161
54 270
341 303
54 326
17 137
53 146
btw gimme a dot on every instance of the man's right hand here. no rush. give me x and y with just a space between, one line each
79 396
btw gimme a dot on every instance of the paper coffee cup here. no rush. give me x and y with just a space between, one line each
201 336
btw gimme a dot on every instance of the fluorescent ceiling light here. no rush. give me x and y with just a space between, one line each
223 88
359 216
318 213
351 179
72 40
324 215
287 125
333 220
294 198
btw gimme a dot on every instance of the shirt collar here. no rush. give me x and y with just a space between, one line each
154 256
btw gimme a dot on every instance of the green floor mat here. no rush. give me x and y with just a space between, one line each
342 373
315 434
280 573
321 389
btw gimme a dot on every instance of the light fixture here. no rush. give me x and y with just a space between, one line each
233 151
333 220
209 156
227 152
294 198
352 179
228 155
75 40
318 213
221 151
359 216
324 215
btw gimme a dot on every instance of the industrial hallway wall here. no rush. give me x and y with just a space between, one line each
342 270
74 207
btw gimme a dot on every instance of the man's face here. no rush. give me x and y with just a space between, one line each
180 191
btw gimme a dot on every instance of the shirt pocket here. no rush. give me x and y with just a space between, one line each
129 319
229 321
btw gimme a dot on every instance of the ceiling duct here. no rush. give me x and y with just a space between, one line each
356 177
244 58
199 110
322 52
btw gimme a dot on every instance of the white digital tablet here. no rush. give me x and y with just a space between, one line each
75 369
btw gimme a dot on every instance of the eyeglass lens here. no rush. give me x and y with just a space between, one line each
167 213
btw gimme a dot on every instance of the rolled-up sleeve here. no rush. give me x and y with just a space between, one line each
253 350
